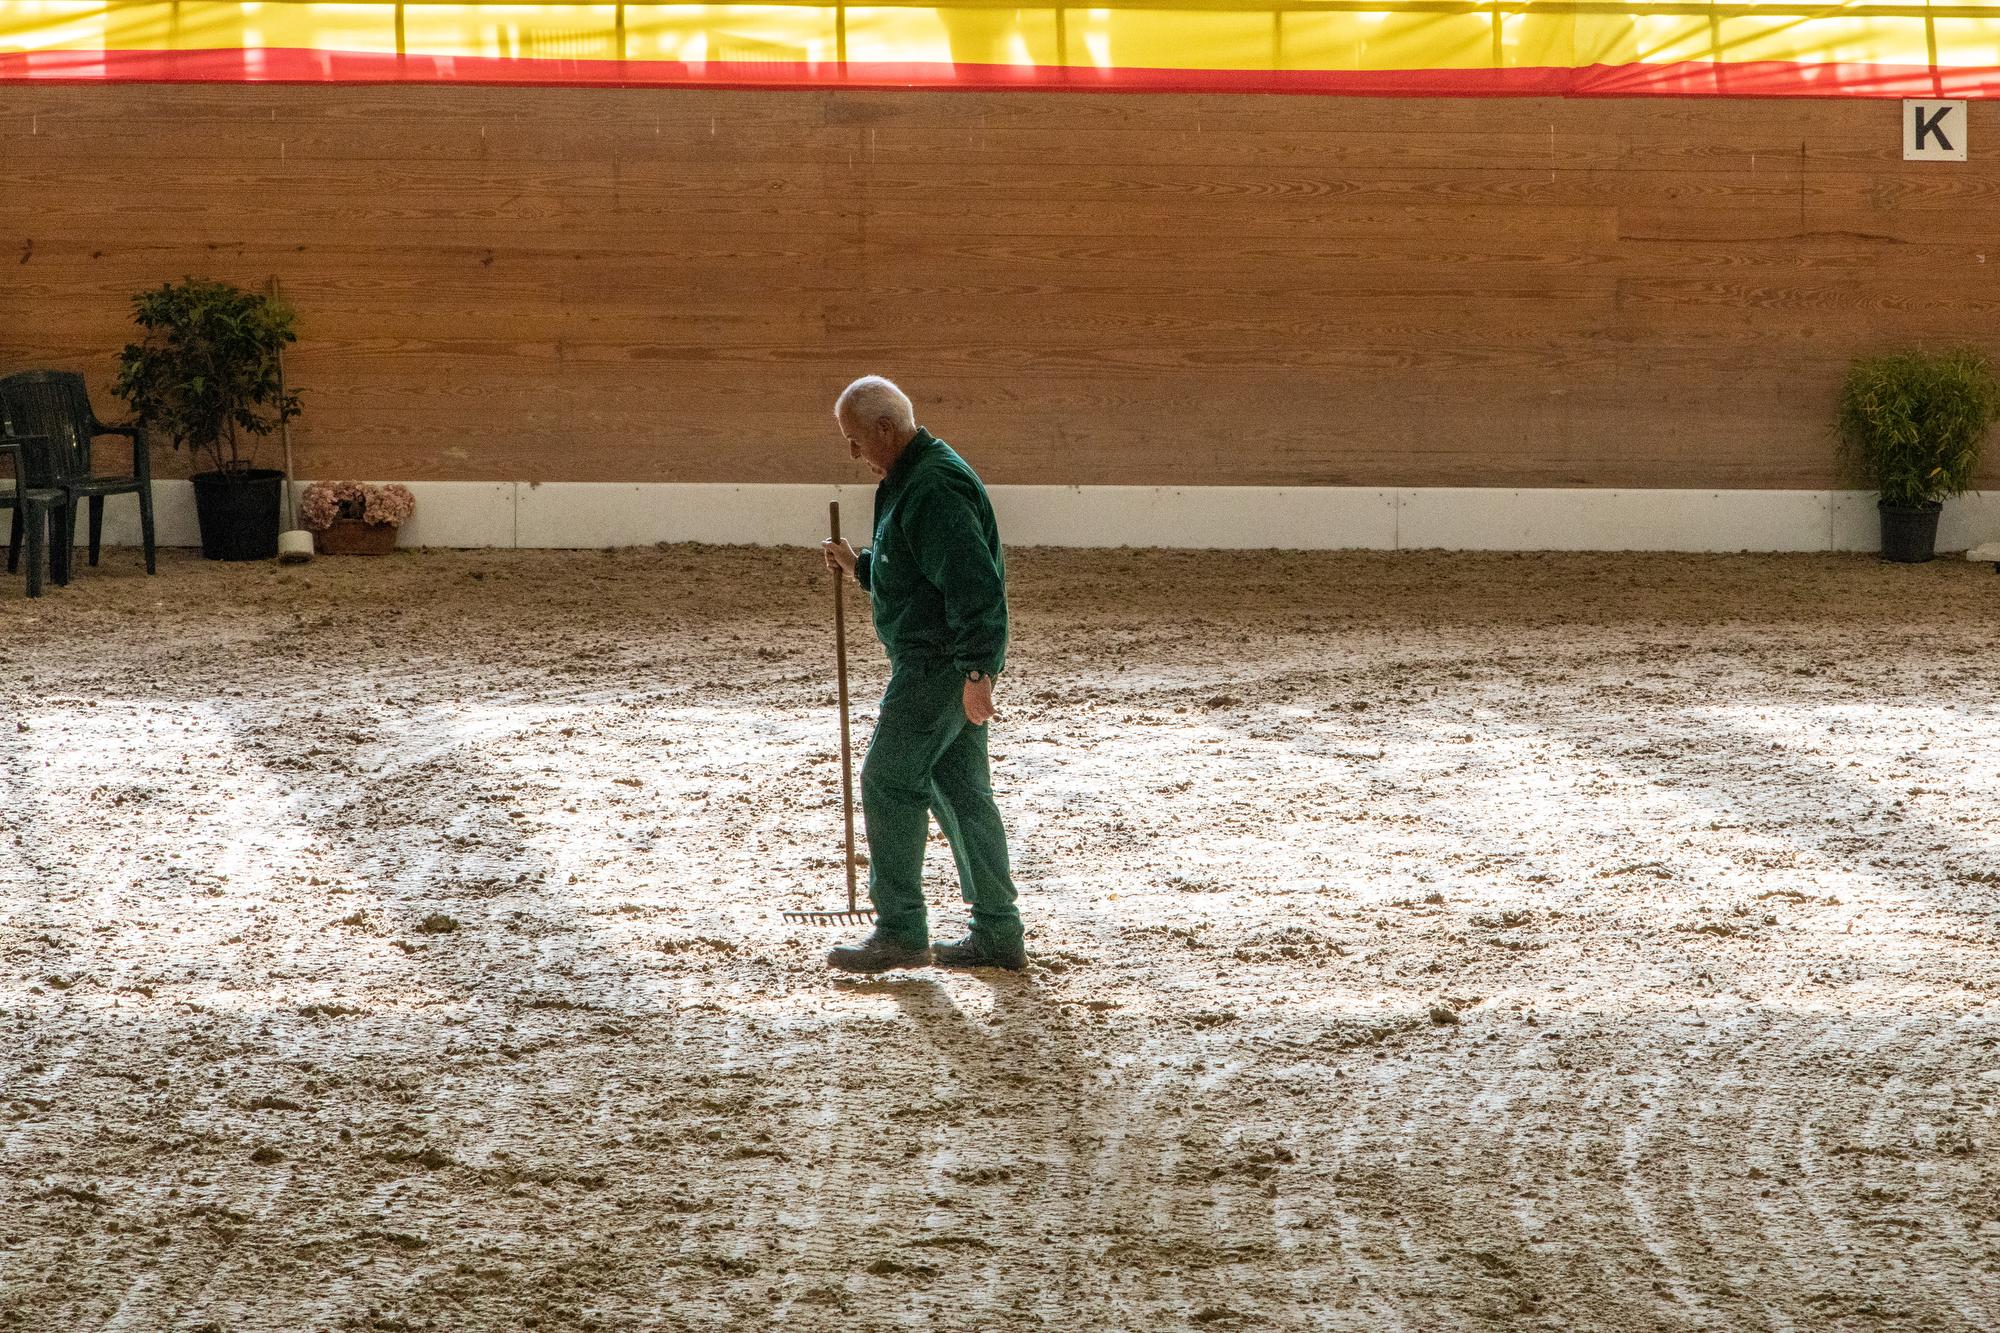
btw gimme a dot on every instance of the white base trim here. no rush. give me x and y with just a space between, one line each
583 515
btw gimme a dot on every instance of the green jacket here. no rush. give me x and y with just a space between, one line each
935 573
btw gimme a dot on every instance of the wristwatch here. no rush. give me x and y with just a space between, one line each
978 675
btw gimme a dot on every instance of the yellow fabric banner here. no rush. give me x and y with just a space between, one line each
1411 47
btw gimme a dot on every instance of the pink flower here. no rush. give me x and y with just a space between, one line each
353 497
390 504
318 507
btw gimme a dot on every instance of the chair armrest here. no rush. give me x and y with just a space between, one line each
32 447
136 432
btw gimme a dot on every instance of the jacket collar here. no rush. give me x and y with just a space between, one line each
906 462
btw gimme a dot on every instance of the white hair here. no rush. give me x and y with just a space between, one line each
871 398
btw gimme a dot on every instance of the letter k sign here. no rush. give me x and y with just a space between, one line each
1934 131
1928 125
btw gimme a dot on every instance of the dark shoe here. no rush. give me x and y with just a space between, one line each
975 952
877 953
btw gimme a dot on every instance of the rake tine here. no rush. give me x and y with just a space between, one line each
860 916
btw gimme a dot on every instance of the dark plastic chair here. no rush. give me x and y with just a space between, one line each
41 506
54 405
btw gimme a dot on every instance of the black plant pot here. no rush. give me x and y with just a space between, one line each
1909 533
238 513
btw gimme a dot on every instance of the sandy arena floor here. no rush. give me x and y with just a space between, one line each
1422 942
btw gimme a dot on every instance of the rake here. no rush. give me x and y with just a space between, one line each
854 915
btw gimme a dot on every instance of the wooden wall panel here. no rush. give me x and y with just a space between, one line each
614 285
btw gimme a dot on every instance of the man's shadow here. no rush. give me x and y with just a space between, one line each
1025 1041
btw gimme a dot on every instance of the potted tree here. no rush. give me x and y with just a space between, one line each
207 378
1912 425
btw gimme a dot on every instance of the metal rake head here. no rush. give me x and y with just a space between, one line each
859 916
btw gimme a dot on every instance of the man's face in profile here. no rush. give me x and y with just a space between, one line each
874 444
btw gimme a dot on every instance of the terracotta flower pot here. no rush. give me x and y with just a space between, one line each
351 536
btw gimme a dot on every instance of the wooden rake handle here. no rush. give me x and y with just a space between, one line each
846 744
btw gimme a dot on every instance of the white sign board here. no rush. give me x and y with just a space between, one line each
1934 131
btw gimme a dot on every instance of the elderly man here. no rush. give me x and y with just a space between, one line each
938 585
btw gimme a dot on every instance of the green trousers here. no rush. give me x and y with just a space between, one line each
924 759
